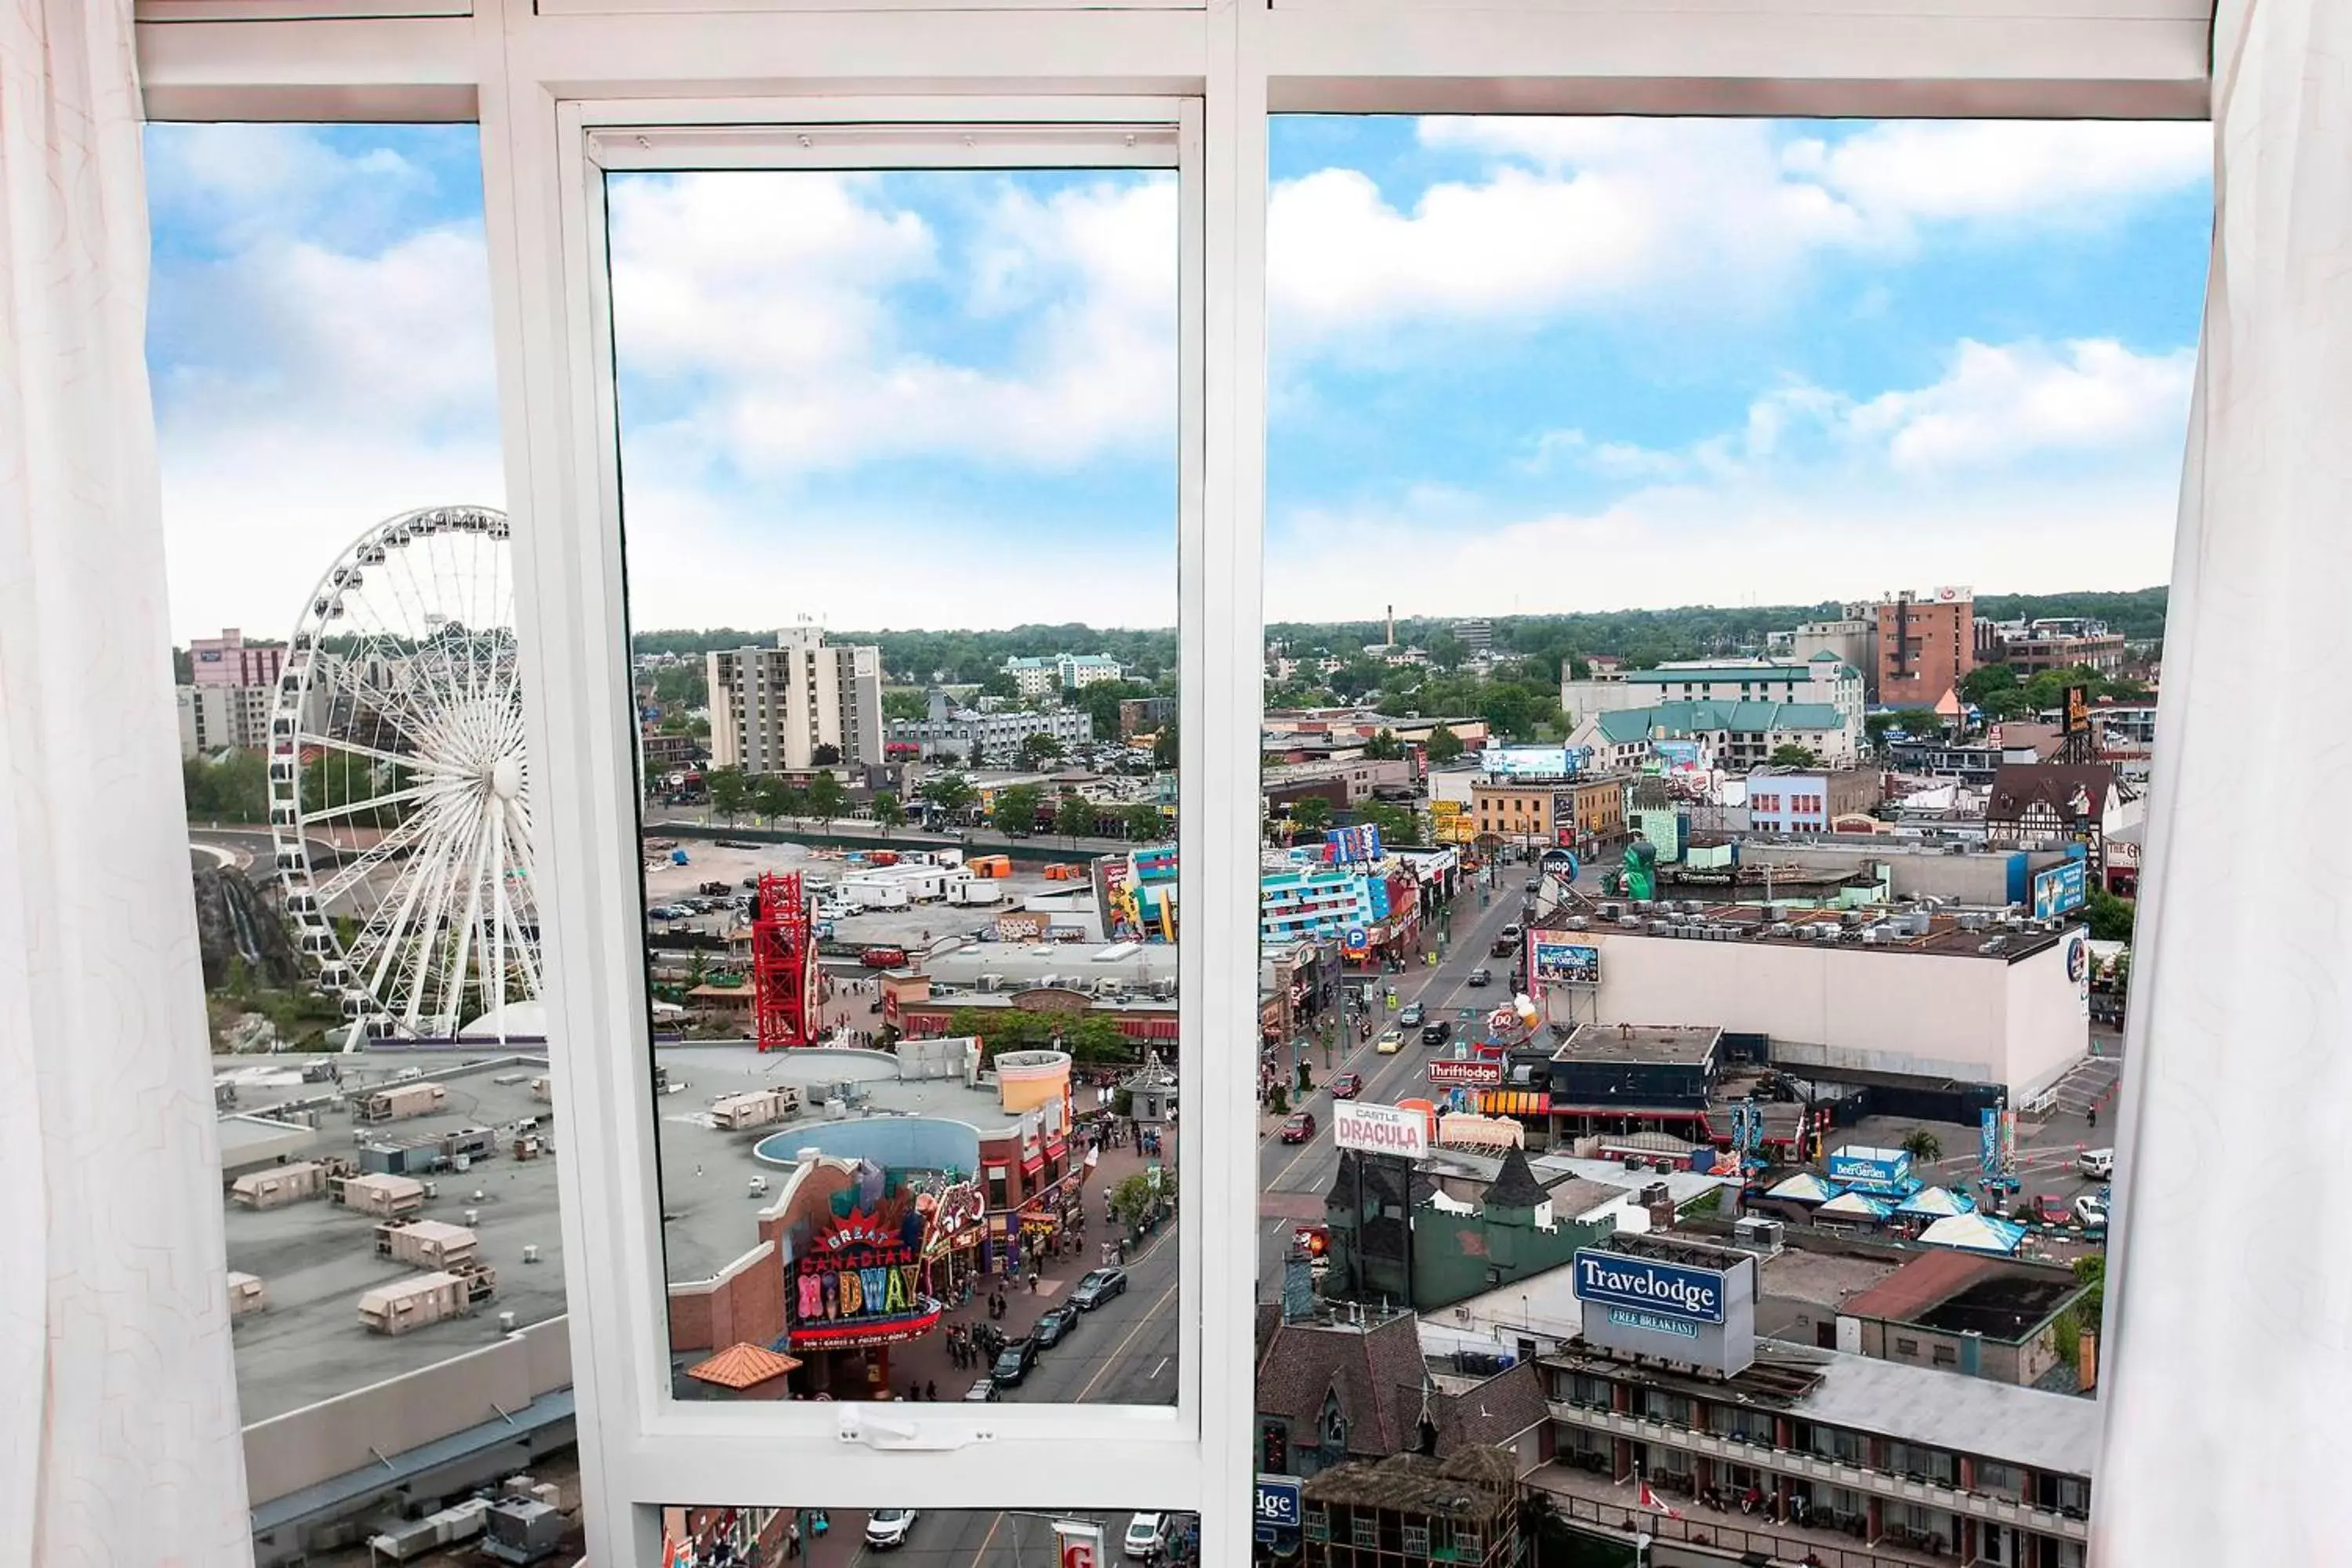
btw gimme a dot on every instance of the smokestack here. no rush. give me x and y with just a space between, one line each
1392 626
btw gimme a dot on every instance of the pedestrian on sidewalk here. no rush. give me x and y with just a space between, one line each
793 1538
931 1389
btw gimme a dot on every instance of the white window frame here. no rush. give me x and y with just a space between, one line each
515 68
570 600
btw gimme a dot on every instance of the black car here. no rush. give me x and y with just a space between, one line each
1503 947
1014 1362
1437 1034
1099 1286
1053 1324
1479 976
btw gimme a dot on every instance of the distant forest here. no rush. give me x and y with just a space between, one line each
1543 642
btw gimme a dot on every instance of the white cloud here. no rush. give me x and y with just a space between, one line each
2023 467
1997 404
311 378
807 323
1681 216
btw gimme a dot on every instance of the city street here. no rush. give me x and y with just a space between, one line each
961 1538
1292 1178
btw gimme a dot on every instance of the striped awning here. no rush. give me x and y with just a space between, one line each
1515 1102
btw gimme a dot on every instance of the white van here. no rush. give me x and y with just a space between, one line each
2099 1164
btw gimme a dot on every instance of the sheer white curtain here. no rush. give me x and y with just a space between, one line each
119 1433
2229 1359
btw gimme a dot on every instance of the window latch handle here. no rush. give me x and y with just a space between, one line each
885 1435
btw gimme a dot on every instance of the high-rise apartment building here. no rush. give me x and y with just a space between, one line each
771 708
220 717
1059 672
1927 642
229 661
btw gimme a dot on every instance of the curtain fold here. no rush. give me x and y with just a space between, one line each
2228 1341
119 1440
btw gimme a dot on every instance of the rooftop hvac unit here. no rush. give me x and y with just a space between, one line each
1779 928
506 1322
1051 982
1851 917
1629 923
530 1251
1578 922
474 1216
991 983
1660 928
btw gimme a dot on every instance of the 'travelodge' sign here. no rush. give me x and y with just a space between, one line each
1667 1290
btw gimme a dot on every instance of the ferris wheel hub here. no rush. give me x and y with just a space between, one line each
506 777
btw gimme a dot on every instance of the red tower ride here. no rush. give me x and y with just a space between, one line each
784 965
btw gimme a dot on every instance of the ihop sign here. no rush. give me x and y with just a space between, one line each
1645 1285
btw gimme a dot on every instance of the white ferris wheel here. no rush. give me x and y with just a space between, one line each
399 784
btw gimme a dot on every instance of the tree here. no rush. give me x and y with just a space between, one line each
1310 814
1038 749
1000 683
827 755
825 796
1398 824
1074 818
905 703
1922 1144
772 797
2110 918
887 813
1163 746
1789 755
1384 746
231 788
730 791
1145 822
1016 810
1444 745
947 793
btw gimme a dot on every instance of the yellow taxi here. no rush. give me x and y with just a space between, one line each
1391 1041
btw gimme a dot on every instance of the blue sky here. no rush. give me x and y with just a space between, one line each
1520 364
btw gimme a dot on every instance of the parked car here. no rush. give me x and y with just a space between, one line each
2050 1208
1346 1086
1391 1042
884 958
1437 1034
2091 1212
889 1527
1014 1362
1053 1324
2099 1164
1145 1533
1299 1128
982 1391
1413 1015
1482 975
1098 1286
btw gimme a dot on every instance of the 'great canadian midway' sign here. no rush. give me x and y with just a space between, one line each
1380 1130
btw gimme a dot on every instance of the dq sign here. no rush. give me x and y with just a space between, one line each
1381 1130
1646 1285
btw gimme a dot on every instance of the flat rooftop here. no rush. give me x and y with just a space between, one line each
315 1259
1685 1045
1025 963
1945 935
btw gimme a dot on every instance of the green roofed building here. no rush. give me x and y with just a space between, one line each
1733 736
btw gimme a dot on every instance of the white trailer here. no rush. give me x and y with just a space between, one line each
976 892
875 893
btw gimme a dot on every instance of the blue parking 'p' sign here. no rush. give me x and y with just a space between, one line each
1277 1502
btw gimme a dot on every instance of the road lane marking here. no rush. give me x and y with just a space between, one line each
994 1526
1120 1349
1161 1367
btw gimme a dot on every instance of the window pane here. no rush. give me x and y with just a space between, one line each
1713 557
321 355
899 508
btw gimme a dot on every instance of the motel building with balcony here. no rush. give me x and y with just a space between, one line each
1843 1459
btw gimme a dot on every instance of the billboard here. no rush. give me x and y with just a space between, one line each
1870 1167
2061 888
1380 1130
1348 846
1553 959
1532 761
1644 1285
1677 753
2078 711
1471 1072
